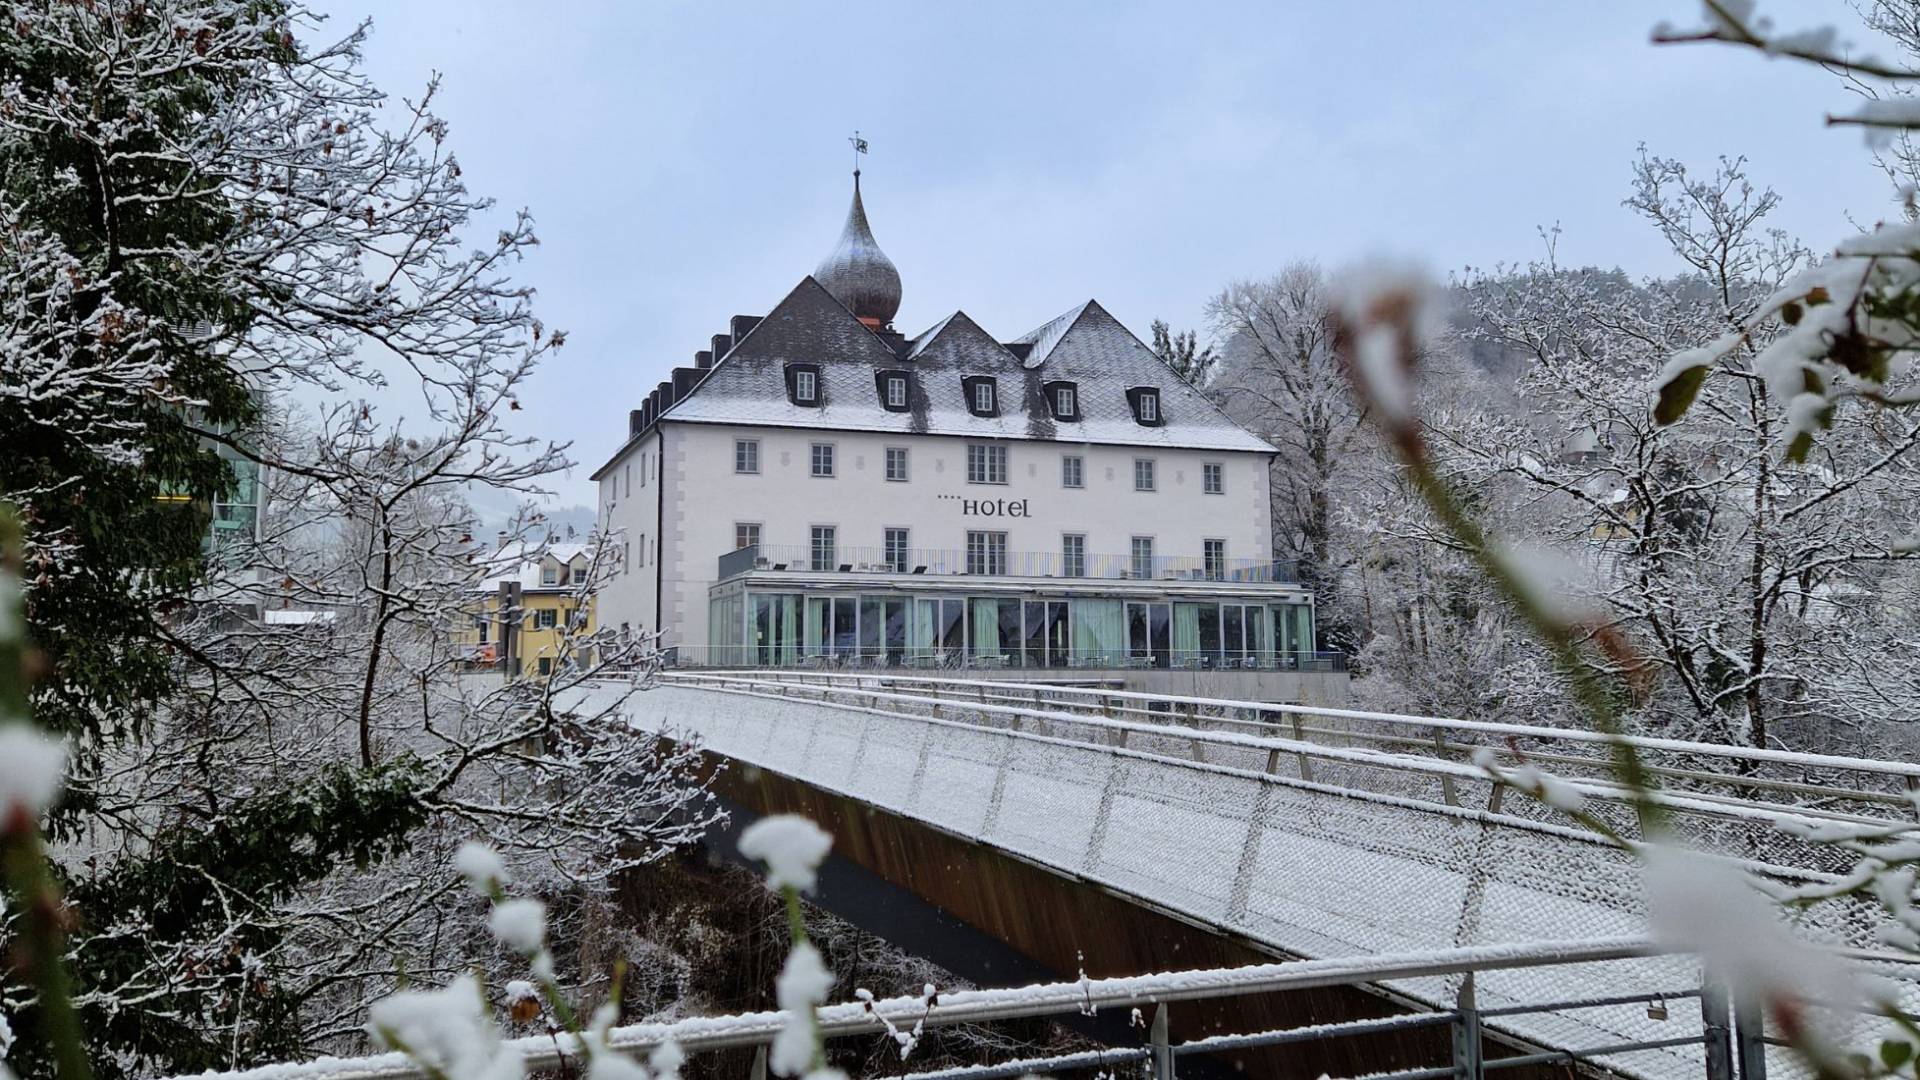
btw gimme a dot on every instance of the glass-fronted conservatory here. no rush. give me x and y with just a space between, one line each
803 618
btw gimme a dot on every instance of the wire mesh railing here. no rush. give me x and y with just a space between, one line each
1310 831
1695 1034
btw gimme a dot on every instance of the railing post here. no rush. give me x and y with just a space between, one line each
1162 1049
1300 735
1716 1024
1750 1029
1466 1033
1446 781
759 1071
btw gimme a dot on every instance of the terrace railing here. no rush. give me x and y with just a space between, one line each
840 558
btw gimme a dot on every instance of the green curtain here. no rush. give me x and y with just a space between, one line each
816 635
1303 628
789 618
986 627
1099 630
1186 631
920 630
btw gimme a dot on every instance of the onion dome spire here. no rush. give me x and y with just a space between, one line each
857 273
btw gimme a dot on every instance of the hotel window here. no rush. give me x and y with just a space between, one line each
546 665
549 575
1145 401
823 550
803 384
1212 480
1073 471
1142 566
986 464
987 553
894 395
579 576
746 534
822 459
896 463
1073 555
1143 474
544 619
1063 400
894 550
982 400
1214 558
746 455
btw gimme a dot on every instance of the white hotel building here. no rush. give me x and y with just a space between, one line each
820 489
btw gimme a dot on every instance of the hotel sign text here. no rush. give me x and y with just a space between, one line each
990 507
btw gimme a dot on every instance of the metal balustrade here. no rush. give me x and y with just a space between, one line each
1698 1017
995 562
827 656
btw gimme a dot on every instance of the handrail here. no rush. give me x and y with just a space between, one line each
1707 803
1643 742
701 1034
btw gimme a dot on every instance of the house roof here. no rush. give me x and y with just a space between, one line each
1086 346
522 563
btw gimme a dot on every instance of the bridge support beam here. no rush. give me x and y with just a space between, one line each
1467 1063
1162 1046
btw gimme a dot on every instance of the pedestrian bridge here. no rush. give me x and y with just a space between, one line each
1289 831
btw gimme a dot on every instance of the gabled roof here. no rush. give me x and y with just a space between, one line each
1041 340
522 563
1086 346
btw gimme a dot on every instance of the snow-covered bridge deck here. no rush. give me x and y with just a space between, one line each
1307 832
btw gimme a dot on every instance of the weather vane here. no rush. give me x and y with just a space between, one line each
859 147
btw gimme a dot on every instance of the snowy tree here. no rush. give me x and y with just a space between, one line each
214 223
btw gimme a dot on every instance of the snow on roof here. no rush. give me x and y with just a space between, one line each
296 617
1086 346
523 563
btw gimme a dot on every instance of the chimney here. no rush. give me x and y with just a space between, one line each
646 415
500 540
635 422
721 343
742 325
703 359
665 390
684 380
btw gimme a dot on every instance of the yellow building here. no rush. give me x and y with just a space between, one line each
550 586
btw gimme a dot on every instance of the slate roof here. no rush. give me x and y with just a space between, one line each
1086 346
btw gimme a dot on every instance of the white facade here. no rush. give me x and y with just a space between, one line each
690 470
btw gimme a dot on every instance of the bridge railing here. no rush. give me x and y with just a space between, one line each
1727 797
1713 1035
1309 848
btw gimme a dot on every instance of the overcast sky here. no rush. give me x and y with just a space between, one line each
689 161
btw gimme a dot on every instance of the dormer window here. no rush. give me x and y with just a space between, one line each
895 390
803 384
983 399
1063 400
1145 401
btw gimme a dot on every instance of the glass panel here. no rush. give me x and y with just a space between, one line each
1186 634
895 631
1057 632
1099 632
872 622
1035 652
953 629
843 625
819 616
1210 646
1160 627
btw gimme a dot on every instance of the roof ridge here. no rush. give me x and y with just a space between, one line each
1045 337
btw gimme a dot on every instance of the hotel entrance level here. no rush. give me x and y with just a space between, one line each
867 621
